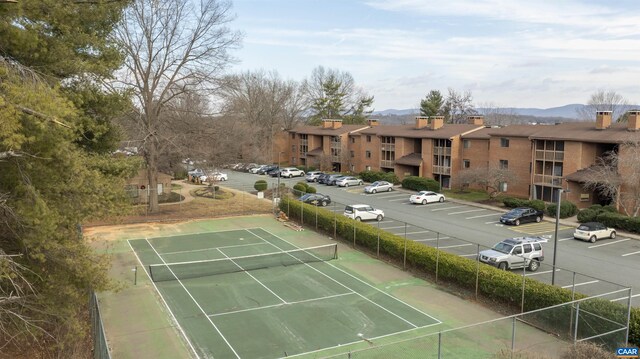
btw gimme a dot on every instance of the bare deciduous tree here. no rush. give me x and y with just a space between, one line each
616 175
605 100
458 106
490 178
172 47
496 115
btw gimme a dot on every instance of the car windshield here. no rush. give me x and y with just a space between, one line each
503 247
375 184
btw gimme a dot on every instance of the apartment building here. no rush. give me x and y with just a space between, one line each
544 158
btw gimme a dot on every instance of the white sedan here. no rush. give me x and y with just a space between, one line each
218 176
425 197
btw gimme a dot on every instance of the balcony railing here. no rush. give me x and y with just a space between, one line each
441 170
388 147
387 163
542 155
442 151
335 159
547 180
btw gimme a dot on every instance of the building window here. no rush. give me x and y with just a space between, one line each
293 160
504 142
368 168
293 136
466 164
368 154
466 143
352 154
353 139
368 138
504 164
353 168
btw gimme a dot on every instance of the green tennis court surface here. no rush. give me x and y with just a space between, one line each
257 295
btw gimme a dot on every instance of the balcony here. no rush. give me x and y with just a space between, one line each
441 170
336 159
547 180
388 147
387 163
442 151
542 155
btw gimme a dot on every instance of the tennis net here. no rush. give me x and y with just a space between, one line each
195 269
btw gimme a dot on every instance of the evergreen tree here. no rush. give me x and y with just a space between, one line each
432 104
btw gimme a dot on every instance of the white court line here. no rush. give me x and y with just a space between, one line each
456 246
608 243
543 272
446 208
484 215
196 302
471 210
280 304
254 278
213 248
429 239
356 278
632 253
579 284
163 300
169 235
624 298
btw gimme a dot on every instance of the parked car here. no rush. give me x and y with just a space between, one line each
274 172
521 215
323 178
218 176
515 253
312 176
592 231
266 169
318 199
425 197
379 186
291 172
331 181
363 212
256 169
347 181
196 172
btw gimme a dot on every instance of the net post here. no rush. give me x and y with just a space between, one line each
437 254
404 261
575 330
477 269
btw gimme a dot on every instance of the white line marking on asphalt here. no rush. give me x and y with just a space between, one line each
471 210
608 243
624 298
468 255
444 209
564 239
632 253
492 222
429 239
391 195
418 232
456 246
385 228
484 215
579 284
399 199
543 272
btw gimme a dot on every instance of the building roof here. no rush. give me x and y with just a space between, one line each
412 159
315 152
482 134
586 132
515 130
592 173
319 130
447 131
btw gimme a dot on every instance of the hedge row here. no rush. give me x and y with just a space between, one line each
372 176
303 187
567 209
420 184
494 284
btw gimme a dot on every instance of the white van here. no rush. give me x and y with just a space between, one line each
363 212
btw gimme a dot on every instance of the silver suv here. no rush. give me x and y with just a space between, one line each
515 253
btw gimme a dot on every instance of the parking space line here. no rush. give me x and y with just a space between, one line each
399 199
385 228
391 195
469 255
608 243
444 209
429 239
579 284
483 215
492 222
471 210
418 232
624 298
629 254
564 239
456 246
543 272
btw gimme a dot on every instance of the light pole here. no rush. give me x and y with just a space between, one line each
278 187
555 236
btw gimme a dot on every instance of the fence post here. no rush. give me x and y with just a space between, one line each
628 316
439 345
404 264
316 217
288 209
573 297
301 214
335 224
378 251
354 233
477 269
575 332
524 276
513 336
437 254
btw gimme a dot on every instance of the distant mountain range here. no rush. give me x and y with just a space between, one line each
566 111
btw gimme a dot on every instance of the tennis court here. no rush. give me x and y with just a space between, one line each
248 293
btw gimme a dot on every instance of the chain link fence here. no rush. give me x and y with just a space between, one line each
100 346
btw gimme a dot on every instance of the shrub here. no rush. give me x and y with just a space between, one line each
180 174
421 184
260 185
567 209
372 176
512 202
300 188
539 205
311 189
587 215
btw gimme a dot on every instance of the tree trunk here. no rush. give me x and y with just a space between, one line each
152 173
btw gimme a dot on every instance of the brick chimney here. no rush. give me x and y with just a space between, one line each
633 122
327 123
336 124
373 122
603 120
436 122
475 120
421 122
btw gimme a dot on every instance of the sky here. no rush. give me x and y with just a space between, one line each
507 53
